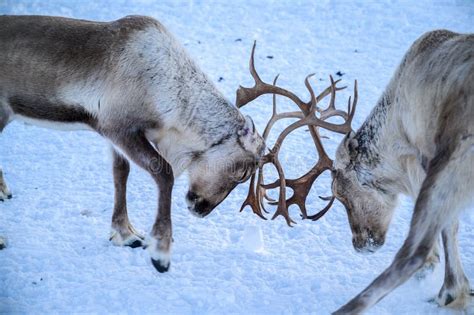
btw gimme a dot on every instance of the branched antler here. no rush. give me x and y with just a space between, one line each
306 116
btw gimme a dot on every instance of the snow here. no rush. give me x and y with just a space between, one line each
59 259
252 239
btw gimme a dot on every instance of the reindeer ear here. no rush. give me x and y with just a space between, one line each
249 138
247 128
351 144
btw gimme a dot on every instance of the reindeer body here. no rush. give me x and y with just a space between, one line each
419 141
86 75
407 126
130 81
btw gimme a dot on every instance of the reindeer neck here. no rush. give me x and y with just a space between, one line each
371 136
211 116
384 151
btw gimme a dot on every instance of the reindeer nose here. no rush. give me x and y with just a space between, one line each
198 206
192 196
367 242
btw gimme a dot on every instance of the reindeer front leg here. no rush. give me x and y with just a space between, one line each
455 291
138 149
122 232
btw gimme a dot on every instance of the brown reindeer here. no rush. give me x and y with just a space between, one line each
130 81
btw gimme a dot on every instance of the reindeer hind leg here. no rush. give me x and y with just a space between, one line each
455 291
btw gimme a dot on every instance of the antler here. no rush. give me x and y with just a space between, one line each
306 117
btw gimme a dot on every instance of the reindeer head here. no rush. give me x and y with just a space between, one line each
367 200
217 171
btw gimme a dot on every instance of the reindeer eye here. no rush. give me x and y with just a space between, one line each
247 173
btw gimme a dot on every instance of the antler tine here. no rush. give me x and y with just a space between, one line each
246 95
282 208
327 91
346 127
252 200
354 104
262 192
332 101
331 110
319 215
314 101
253 72
274 102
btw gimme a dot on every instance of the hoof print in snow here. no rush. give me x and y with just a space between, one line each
220 79
238 40
158 266
269 57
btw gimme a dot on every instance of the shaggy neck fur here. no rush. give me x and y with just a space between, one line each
385 158
195 116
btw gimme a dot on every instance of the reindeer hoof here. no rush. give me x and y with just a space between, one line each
455 298
160 266
4 191
135 244
133 239
5 196
3 243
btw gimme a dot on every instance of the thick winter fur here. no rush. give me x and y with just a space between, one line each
130 81
419 141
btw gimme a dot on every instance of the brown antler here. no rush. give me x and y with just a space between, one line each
306 117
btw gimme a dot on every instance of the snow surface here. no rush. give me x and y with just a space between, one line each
59 259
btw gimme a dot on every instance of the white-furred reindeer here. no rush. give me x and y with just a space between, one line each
131 82
418 141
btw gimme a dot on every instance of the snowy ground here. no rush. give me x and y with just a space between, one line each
59 259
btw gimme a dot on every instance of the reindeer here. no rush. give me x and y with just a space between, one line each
131 82
418 141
